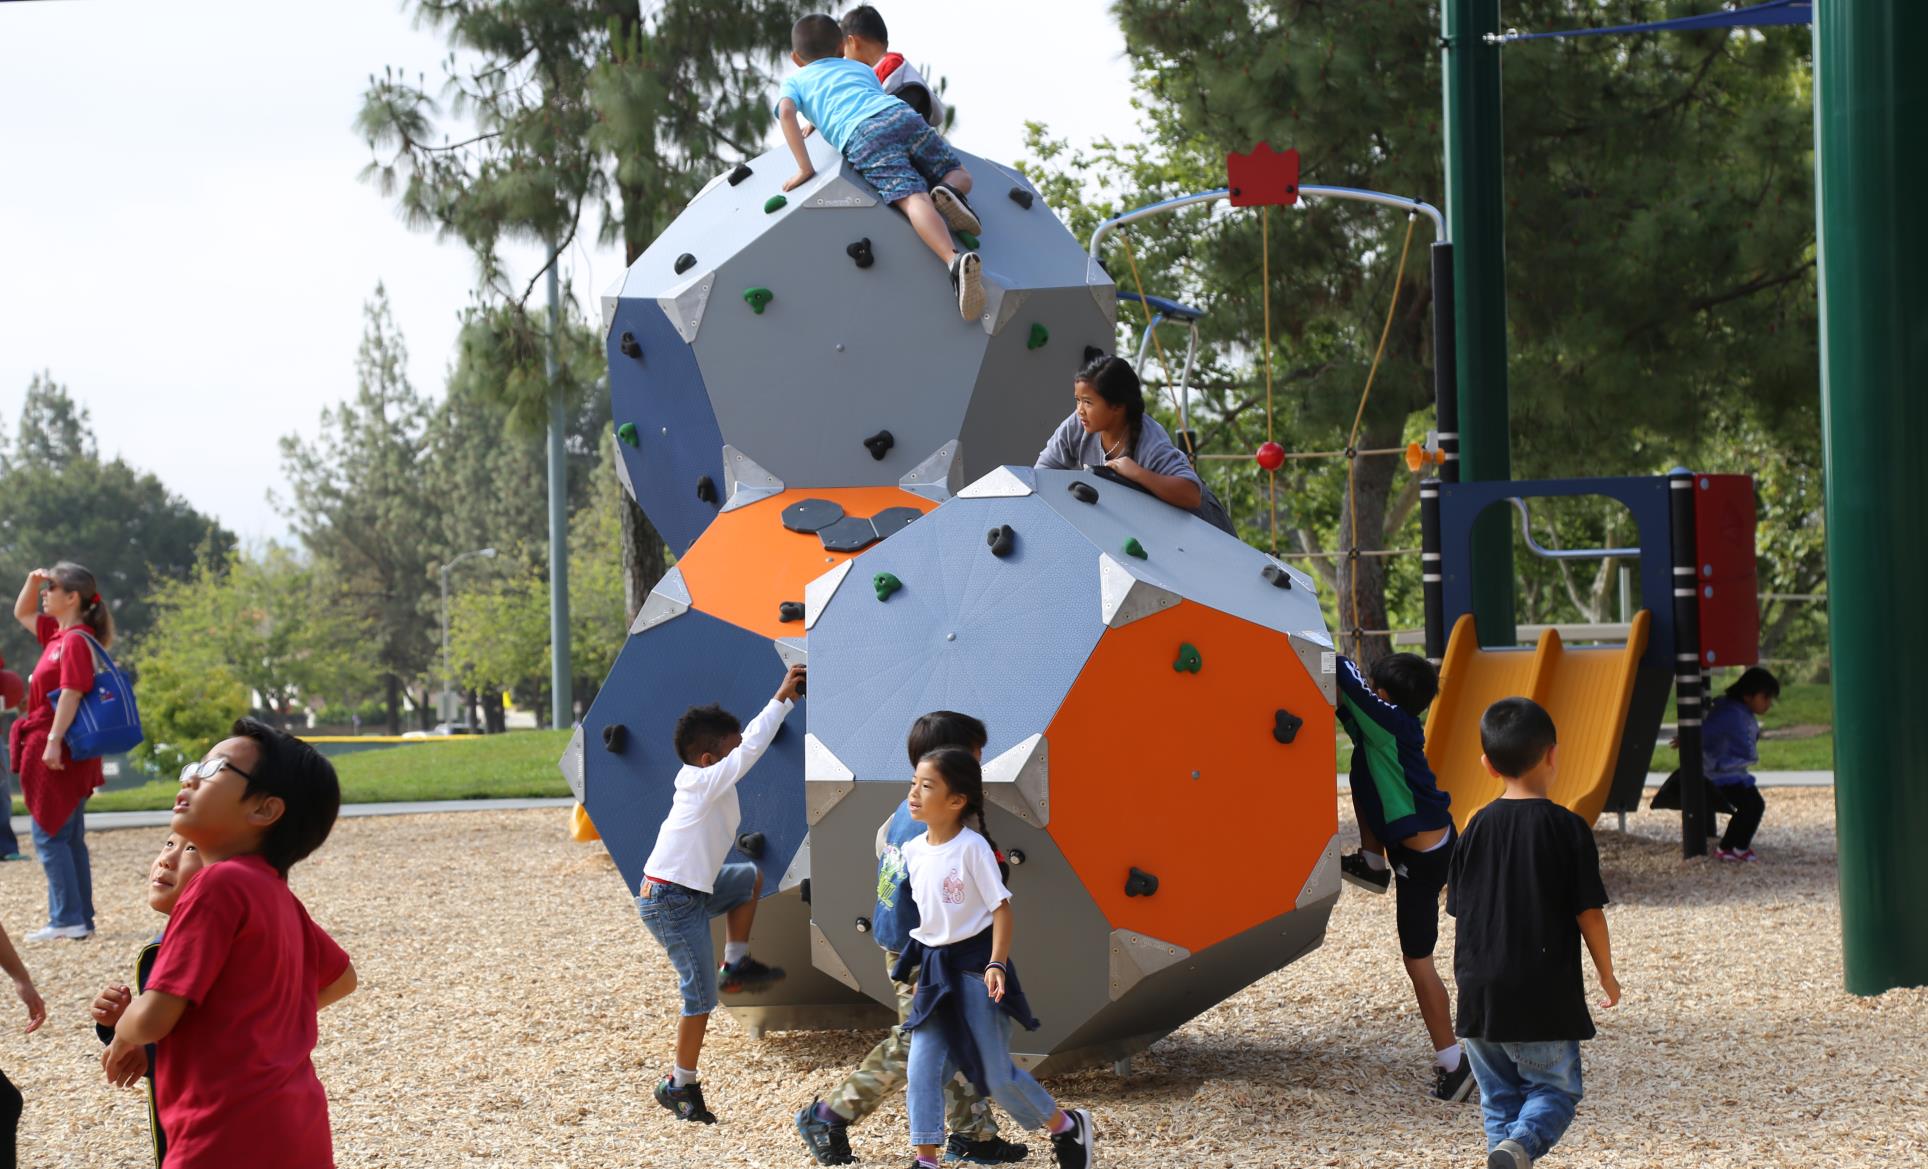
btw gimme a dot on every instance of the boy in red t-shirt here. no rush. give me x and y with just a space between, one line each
231 1000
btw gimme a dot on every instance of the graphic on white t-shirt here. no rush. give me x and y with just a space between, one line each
954 887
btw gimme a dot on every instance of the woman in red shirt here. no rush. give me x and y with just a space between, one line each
54 784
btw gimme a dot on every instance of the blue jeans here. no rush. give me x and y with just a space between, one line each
931 1067
1527 1091
70 875
679 917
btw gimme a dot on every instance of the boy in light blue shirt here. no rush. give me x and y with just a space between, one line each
884 140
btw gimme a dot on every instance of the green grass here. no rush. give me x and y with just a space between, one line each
518 764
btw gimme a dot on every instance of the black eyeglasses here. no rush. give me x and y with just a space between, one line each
209 768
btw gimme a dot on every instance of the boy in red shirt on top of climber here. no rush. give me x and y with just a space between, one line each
867 39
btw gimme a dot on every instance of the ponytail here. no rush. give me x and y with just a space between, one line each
964 776
94 612
1003 866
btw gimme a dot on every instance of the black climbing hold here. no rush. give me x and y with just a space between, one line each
1277 577
1083 492
1092 353
803 886
789 610
758 299
893 520
1015 856
811 515
741 172
863 925
614 736
630 346
750 844
1002 540
861 253
684 263
1285 725
849 534
705 489
1021 197
1140 883
879 444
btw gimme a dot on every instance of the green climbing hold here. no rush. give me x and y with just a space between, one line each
757 299
627 433
1134 548
774 203
1040 336
885 583
1188 660
968 240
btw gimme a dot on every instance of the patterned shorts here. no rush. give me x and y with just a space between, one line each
899 153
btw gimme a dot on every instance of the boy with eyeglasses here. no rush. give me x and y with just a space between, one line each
232 997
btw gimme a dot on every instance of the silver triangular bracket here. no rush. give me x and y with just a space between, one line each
685 306
825 779
791 651
938 477
799 870
824 957
1019 781
817 593
609 301
571 764
670 598
1315 653
622 474
1000 483
1124 598
1136 957
1001 303
839 191
1323 882
748 481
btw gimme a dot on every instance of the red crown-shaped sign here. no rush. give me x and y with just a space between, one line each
1263 177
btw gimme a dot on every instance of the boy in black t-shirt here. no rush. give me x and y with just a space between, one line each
1525 886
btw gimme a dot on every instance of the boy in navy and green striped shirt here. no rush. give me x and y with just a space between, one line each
1405 830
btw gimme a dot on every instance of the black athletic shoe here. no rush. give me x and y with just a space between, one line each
1354 869
746 975
989 1151
956 211
1456 1085
967 280
1076 1147
828 1141
686 1102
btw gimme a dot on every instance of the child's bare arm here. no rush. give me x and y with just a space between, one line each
1002 923
22 982
1593 927
339 989
793 137
150 1019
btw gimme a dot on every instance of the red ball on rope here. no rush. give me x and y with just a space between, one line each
1270 455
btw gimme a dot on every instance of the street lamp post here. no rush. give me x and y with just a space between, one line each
448 673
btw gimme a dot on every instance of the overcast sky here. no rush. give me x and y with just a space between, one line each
185 244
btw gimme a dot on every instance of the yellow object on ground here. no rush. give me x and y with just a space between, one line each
581 829
1587 691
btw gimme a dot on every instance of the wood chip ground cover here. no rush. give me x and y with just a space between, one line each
513 1012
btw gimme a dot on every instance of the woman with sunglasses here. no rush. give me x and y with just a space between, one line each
61 606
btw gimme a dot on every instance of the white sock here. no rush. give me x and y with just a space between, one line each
1448 1057
734 952
683 1077
1375 861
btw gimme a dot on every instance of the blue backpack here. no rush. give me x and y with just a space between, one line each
108 722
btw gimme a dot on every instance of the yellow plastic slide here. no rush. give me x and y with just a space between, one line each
1587 691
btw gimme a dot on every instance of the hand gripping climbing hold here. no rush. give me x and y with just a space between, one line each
1134 548
741 172
705 489
758 299
1021 197
1188 660
750 844
885 583
789 610
630 346
1140 883
774 203
1277 577
1083 492
614 736
1039 338
684 263
861 254
879 444
1002 540
627 433
1285 725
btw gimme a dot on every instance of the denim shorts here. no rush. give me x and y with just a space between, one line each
680 919
899 153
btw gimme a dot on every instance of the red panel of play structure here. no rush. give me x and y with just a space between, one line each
1730 610
1263 177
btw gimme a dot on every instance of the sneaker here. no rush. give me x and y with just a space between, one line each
967 280
14 856
73 933
1747 855
1354 869
1456 1085
989 1151
828 1141
1076 1147
1728 854
956 212
686 1102
1508 1155
747 975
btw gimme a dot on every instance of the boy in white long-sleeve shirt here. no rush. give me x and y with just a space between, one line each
686 883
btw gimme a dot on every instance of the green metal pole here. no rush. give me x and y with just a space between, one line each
1870 171
562 703
1476 217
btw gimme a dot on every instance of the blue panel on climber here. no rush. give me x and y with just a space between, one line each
660 391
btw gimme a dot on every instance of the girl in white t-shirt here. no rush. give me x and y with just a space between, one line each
967 990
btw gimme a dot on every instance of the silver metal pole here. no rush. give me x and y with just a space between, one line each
562 702
1357 194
